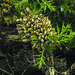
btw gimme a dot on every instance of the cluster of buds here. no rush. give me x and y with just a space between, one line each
5 12
37 25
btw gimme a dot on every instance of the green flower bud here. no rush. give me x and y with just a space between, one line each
24 19
25 40
42 40
34 27
32 32
25 31
33 20
31 25
28 34
39 38
20 19
29 22
46 38
41 29
37 33
29 29
38 30
42 36
45 32
22 14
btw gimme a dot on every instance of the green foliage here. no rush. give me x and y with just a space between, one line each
67 6
64 11
43 5
47 4
66 36
35 6
34 38
40 59
18 4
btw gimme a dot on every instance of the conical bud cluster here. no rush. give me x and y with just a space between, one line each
37 25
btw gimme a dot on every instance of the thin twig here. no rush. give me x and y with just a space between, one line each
33 57
10 67
28 59
5 71
25 69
